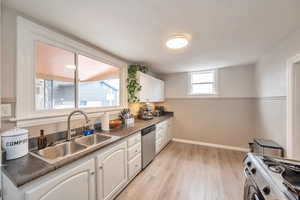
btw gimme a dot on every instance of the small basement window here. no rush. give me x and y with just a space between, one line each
203 83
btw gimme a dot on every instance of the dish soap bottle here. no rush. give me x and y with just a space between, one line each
42 140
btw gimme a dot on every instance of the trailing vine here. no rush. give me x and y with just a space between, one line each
133 85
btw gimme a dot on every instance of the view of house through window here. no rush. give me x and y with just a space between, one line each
202 83
55 86
98 83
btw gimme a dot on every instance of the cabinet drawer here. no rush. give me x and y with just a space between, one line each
134 166
162 125
134 139
133 151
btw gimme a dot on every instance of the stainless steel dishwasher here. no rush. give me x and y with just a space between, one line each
148 145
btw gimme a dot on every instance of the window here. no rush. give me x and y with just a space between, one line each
99 83
55 83
58 77
202 83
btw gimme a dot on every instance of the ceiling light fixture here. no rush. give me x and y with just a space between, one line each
73 67
177 42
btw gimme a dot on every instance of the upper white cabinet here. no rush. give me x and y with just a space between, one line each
152 88
77 183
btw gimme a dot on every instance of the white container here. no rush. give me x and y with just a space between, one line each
15 143
105 121
129 121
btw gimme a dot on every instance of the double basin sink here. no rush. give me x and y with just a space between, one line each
60 151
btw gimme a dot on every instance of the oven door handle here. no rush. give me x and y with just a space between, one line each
256 197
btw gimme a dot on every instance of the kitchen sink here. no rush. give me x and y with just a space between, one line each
54 153
92 139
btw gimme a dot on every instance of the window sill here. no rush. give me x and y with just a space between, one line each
202 95
58 117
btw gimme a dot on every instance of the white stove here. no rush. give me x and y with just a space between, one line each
270 178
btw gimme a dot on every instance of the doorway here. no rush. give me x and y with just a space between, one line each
293 108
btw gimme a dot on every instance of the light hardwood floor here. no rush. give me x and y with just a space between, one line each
189 172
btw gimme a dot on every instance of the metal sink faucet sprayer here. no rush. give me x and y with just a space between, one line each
69 121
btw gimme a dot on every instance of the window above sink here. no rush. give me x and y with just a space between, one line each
56 74
61 82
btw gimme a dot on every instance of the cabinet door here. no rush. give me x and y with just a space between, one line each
152 88
162 91
145 82
77 183
112 171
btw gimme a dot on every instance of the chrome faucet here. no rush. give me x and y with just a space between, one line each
69 122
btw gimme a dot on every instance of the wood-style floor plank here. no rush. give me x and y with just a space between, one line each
189 172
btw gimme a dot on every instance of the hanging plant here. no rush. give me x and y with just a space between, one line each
133 85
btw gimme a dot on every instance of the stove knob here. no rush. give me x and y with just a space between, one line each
249 164
266 190
253 170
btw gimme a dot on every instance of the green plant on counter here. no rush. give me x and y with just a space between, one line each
133 85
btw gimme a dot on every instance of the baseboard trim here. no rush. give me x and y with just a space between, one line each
211 145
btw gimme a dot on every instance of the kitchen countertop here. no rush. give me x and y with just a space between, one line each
28 168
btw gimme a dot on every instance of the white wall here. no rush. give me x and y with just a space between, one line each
8 68
271 88
235 81
270 70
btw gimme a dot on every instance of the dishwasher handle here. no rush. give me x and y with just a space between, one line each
147 130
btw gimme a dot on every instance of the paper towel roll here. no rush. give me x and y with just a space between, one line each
105 121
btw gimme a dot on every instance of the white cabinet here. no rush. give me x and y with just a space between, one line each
163 134
112 171
134 166
77 183
152 88
134 155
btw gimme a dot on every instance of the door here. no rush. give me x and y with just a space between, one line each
77 183
293 111
112 171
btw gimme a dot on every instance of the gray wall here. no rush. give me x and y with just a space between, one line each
263 116
225 121
228 119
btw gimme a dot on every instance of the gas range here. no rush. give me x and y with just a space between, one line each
270 178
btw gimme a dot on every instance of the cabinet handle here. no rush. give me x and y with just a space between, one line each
100 167
92 173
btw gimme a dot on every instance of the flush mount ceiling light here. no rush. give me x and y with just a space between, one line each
73 67
177 42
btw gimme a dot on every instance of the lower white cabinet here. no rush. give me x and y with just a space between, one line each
134 155
77 183
134 166
111 171
163 134
99 176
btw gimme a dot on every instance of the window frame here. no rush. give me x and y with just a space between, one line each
27 34
215 84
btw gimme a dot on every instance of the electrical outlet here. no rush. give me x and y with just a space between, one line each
6 110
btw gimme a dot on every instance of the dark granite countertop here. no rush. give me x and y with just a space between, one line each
28 168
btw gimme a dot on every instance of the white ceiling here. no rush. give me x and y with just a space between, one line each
223 32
